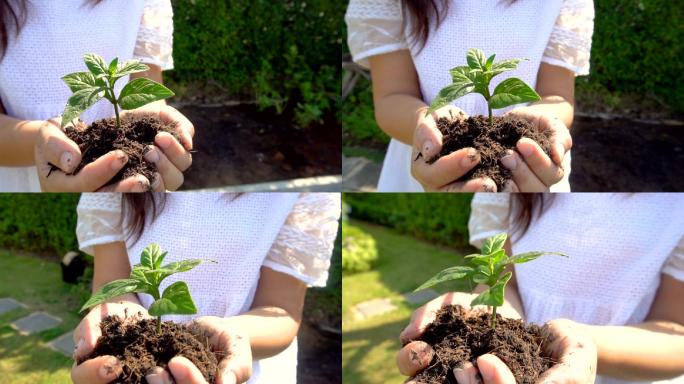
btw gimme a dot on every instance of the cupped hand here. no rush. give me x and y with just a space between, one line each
102 369
235 366
440 176
533 170
171 157
54 148
415 356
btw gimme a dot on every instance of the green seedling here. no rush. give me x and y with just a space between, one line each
146 278
488 269
89 87
475 78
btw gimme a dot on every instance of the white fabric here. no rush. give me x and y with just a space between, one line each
287 232
553 31
52 44
618 246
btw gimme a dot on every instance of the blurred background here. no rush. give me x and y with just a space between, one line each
41 292
386 240
629 111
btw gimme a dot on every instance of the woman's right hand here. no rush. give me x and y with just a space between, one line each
102 369
53 147
440 176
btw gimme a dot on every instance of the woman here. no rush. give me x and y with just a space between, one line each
268 249
410 46
42 41
612 308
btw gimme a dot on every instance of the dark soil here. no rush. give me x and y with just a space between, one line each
491 142
134 136
458 338
139 348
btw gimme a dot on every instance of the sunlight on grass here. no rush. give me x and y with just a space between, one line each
369 346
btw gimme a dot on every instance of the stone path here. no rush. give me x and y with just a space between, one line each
359 174
37 322
377 307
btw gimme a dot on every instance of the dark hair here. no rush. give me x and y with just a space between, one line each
422 13
13 15
525 208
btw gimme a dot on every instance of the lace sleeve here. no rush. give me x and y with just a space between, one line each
374 27
99 220
570 43
488 216
155 36
675 263
304 245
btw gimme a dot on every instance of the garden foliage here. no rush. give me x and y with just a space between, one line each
359 250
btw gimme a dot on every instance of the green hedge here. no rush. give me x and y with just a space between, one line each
44 223
284 53
360 250
440 218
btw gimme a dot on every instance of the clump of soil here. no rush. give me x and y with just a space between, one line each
139 348
137 132
491 142
457 337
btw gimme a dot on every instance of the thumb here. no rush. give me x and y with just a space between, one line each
56 148
494 371
100 370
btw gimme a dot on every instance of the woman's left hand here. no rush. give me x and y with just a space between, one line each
572 349
224 338
170 156
533 170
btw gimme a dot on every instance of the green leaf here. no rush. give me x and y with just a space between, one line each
449 94
476 59
79 102
498 257
493 296
142 91
176 299
110 291
480 278
130 66
152 256
494 243
79 80
512 91
478 259
181 266
113 66
490 61
96 65
504 66
452 273
529 256
138 273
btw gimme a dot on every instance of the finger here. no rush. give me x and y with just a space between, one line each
237 366
134 184
185 372
86 335
90 177
414 357
171 176
481 184
157 184
467 374
102 369
427 139
546 170
494 371
523 177
57 149
185 129
561 139
446 169
158 375
575 352
176 153
510 186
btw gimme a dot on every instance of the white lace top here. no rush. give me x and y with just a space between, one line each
618 247
52 44
287 232
557 32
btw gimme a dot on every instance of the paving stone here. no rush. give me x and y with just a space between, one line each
371 308
8 304
64 344
36 322
360 174
421 297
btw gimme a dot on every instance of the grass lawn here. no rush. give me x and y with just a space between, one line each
369 346
38 284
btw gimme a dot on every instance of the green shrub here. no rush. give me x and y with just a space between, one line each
359 251
44 223
358 118
440 218
285 54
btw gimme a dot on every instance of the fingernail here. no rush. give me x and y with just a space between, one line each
66 161
427 148
526 149
509 161
488 186
121 159
164 141
110 369
152 155
154 375
470 158
156 181
144 185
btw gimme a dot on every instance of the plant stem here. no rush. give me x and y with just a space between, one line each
493 317
491 120
159 325
114 102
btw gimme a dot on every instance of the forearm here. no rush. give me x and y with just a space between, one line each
556 106
111 263
648 351
17 141
270 329
398 114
